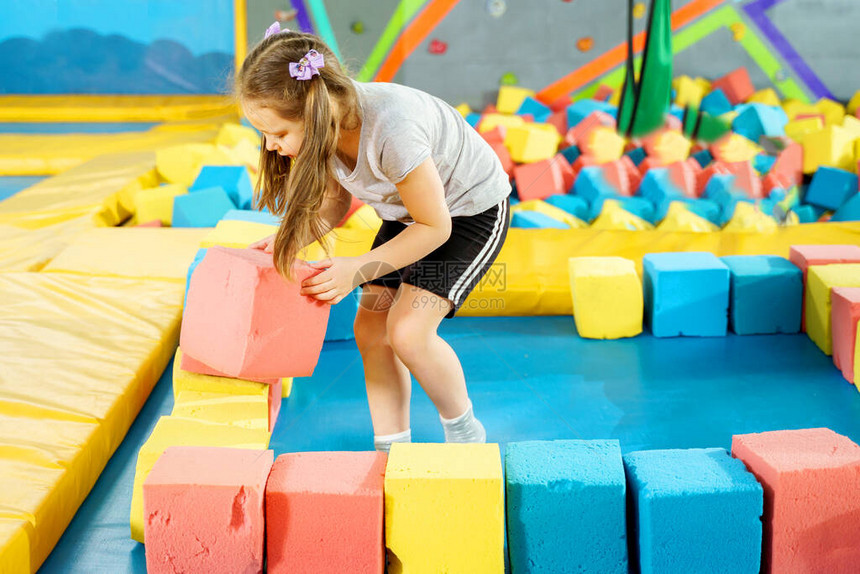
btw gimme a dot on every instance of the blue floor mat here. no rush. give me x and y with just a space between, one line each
9 186
529 378
73 127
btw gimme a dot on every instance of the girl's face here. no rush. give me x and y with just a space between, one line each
282 136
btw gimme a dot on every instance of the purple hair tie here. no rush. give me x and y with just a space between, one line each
307 67
274 29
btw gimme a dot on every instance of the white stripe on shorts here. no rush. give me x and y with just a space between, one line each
478 263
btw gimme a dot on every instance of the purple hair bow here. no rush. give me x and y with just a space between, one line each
307 67
274 29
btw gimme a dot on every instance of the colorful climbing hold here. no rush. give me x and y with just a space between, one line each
738 31
509 79
357 27
437 46
585 44
638 9
497 8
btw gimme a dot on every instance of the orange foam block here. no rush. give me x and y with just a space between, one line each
542 179
845 312
578 134
746 178
789 162
247 322
204 510
736 85
806 255
324 513
811 481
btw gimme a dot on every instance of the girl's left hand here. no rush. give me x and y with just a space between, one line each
336 281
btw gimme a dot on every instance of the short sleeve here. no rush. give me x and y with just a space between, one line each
404 147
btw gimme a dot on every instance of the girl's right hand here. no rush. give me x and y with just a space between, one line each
266 244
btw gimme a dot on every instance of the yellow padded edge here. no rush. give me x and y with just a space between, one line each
87 108
31 249
14 545
143 252
102 188
80 357
530 276
49 154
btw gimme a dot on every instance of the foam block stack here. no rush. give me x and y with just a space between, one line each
607 297
444 508
566 506
811 478
204 510
804 256
820 281
686 294
765 296
324 513
692 508
844 317
245 321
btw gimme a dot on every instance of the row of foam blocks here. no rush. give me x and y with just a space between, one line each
783 502
739 164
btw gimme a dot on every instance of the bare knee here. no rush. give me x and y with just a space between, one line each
407 336
370 330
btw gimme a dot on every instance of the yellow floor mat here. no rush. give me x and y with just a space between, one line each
101 188
80 356
49 154
31 249
86 108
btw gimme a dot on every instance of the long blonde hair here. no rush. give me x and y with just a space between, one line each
295 189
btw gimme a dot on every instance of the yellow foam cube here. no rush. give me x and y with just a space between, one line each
157 203
444 508
549 210
181 163
245 153
231 133
854 103
688 92
490 121
237 234
186 381
511 98
179 431
857 358
671 147
820 279
766 96
748 218
365 217
797 129
851 125
607 297
605 144
679 218
736 148
464 109
532 142
833 147
833 112
613 216
794 108
251 412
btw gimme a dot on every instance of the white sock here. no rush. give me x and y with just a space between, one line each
464 428
382 443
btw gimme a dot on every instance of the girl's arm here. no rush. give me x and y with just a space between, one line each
424 198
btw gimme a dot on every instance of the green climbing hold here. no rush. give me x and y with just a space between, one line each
357 27
509 79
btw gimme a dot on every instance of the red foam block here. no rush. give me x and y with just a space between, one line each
244 320
541 179
845 312
811 481
736 85
805 255
324 512
789 162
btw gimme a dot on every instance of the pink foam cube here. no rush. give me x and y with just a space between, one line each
204 510
736 85
805 255
789 162
811 481
541 179
845 312
578 134
325 513
243 319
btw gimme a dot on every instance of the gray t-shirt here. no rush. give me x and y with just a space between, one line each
401 127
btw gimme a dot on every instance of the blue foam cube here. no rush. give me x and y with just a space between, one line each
538 111
807 213
763 162
704 157
565 504
252 216
705 208
536 220
721 189
578 111
593 187
571 153
637 154
233 179
203 208
716 103
198 257
831 187
640 207
572 204
696 510
658 188
473 119
848 211
756 120
766 294
686 294
341 318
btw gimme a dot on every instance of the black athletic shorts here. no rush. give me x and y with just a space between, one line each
457 266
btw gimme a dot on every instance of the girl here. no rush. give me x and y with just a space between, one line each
439 188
